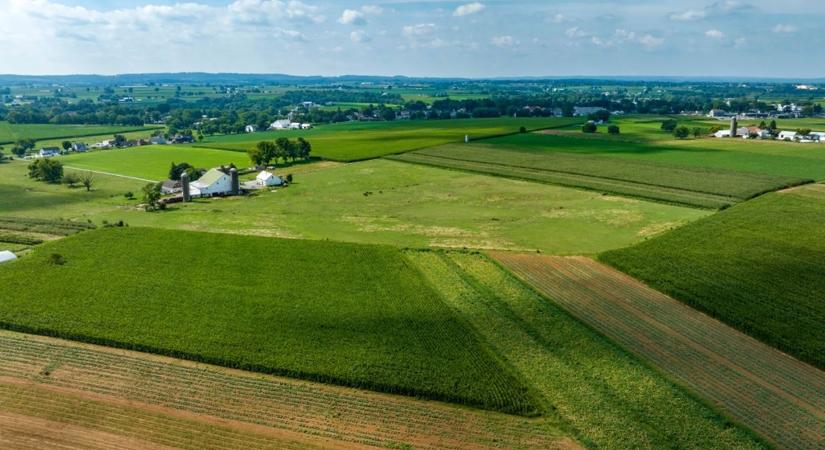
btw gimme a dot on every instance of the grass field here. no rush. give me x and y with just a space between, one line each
365 140
773 394
10 133
705 188
341 313
763 157
151 162
608 398
757 266
381 202
89 386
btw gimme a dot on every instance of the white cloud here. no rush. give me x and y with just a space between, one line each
504 41
651 42
352 17
469 9
359 36
422 29
576 32
372 10
689 15
784 29
558 18
714 34
621 37
740 42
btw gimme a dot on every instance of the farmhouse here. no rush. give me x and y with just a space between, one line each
79 147
48 152
6 256
249 129
282 124
718 114
787 136
157 140
268 179
171 187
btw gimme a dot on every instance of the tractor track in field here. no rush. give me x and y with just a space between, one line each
777 396
74 387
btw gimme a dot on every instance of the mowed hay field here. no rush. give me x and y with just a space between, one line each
758 266
11 132
608 398
341 313
785 159
151 162
191 405
365 140
699 187
388 202
773 394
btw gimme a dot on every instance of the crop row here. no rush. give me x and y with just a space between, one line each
776 396
12 238
597 389
757 267
46 226
323 411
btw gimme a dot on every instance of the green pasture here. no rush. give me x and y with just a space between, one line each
758 266
365 140
10 133
692 186
756 156
151 162
341 313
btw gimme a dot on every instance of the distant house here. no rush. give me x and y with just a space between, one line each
249 129
268 179
306 126
718 114
157 140
787 136
171 187
79 147
755 132
183 139
102 145
6 256
282 124
722 134
820 135
48 152
213 182
586 110
294 125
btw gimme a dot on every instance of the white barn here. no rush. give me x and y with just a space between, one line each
268 179
213 182
787 136
280 124
249 129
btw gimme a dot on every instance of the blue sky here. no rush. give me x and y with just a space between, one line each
492 38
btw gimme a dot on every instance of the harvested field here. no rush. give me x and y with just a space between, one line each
773 394
692 186
130 394
606 396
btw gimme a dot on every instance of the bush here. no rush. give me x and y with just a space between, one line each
669 125
681 132
129 195
289 178
522 130
46 169
71 179
613 129
57 259
589 127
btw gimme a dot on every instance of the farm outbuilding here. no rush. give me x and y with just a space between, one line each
6 256
268 179
213 182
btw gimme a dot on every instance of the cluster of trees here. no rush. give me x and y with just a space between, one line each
50 170
177 170
591 127
282 149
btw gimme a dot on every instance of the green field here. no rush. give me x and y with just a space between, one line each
757 266
763 157
151 162
342 313
607 397
365 140
700 187
10 133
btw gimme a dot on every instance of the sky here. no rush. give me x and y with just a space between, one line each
426 38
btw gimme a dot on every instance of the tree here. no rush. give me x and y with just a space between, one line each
803 131
71 179
2 156
304 148
681 132
178 169
256 155
669 125
763 125
697 132
589 127
613 129
66 145
600 115
265 151
87 179
22 147
282 146
151 196
120 140
46 169
522 130
772 126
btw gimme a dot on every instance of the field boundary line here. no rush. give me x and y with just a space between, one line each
111 174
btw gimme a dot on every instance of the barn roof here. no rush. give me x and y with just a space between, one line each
6 255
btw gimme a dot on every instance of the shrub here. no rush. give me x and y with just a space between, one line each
669 125
681 132
613 129
71 179
46 169
522 130
589 127
57 259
